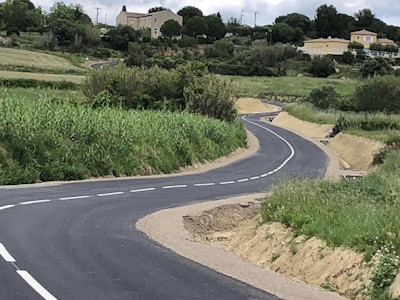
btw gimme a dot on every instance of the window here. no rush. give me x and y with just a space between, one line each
368 38
155 20
155 32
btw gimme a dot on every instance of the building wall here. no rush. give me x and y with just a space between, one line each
121 18
324 48
159 18
366 39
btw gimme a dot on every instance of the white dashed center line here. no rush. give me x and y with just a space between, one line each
6 255
205 184
142 190
74 198
174 186
226 182
36 285
243 180
6 207
34 202
110 194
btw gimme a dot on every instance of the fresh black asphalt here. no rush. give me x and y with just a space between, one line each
89 248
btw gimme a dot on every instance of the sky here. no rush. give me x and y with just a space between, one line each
267 10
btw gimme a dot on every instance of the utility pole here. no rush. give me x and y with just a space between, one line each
97 14
255 19
105 19
241 17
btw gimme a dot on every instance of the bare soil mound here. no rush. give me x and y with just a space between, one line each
237 228
254 106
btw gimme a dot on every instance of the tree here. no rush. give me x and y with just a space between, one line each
21 14
283 33
171 28
156 9
322 67
364 18
233 25
120 37
295 20
216 28
189 12
196 26
68 23
325 21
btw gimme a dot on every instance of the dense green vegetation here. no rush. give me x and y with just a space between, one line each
361 214
44 139
188 88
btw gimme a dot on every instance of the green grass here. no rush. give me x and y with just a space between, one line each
43 138
287 86
372 125
361 214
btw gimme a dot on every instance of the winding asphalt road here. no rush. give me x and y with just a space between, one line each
78 241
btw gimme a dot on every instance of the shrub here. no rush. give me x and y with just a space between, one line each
159 89
377 47
375 66
13 30
29 83
379 94
348 58
102 53
322 67
391 48
356 46
207 96
324 98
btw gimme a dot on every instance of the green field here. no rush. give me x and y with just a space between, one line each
43 138
287 86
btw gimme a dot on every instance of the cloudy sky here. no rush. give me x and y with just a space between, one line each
267 10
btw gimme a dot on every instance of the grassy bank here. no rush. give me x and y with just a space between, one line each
43 139
378 126
287 86
361 214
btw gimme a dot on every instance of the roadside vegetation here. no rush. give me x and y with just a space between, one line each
360 214
43 140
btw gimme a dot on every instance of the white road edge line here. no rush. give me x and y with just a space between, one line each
142 190
204 184
36 285
34 202
226 182
174 186
110 194
279 137
74 198
6 255
6 207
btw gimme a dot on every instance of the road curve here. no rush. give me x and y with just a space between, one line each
78 241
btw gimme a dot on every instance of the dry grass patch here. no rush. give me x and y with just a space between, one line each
39 76
10 56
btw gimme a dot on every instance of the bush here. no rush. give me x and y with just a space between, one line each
375 66
34 83
207 96
379 94
187 41
324 98
13 30
391 48
159 89
377 47
348 58
322 67
102 53
356 46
